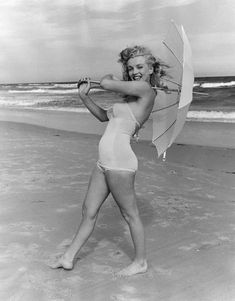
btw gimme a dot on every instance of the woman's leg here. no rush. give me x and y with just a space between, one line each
96 194
121 185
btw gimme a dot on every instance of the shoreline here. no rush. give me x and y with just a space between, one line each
211 134
210 158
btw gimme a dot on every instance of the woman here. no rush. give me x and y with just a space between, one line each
117 165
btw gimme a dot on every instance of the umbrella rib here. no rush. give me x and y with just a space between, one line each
165 131
171 81
166 107
166 89
172 53
178 33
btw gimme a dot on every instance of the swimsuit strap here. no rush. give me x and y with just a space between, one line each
132 115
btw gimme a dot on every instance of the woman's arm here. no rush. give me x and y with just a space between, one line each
96 110
135 88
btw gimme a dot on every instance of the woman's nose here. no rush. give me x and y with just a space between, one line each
135 71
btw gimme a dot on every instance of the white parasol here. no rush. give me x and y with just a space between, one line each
172 104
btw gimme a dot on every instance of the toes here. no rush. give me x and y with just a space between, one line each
61 265
67 266
56 265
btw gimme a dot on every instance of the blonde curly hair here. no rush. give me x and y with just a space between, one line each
159 67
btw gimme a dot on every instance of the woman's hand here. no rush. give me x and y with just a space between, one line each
107 79
84 88
110 76
114 77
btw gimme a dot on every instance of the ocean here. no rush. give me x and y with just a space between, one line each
214 102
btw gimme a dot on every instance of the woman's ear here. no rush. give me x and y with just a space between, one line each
151 70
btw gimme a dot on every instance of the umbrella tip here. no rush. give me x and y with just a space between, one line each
164 157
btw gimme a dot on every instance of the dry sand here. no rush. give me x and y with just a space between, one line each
186 203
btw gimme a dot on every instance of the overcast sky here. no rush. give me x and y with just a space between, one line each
62 40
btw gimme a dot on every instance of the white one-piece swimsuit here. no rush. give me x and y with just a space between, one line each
115 152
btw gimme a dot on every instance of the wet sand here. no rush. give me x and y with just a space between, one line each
214 134
186 204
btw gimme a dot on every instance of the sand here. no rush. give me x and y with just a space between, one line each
186 204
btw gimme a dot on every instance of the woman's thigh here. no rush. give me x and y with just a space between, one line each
97 192
121 185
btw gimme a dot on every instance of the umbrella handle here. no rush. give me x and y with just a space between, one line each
164 156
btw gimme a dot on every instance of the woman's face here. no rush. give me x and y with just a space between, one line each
138 69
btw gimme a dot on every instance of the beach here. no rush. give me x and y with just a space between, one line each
186 204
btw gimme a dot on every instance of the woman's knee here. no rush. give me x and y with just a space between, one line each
89 213
130 214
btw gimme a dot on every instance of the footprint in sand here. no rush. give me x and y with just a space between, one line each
214 243
101 269
188 248
116 255
9 282
208 245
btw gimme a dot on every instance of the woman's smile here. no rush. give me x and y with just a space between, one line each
137 77
138 69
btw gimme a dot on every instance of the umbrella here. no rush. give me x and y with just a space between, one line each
172 104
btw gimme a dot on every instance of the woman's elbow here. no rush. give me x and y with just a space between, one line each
102 119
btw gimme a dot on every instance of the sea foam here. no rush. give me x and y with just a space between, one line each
209 116
217 85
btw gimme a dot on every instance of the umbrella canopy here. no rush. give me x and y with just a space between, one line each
172 104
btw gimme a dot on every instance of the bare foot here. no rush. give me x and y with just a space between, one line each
133 269
63 263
